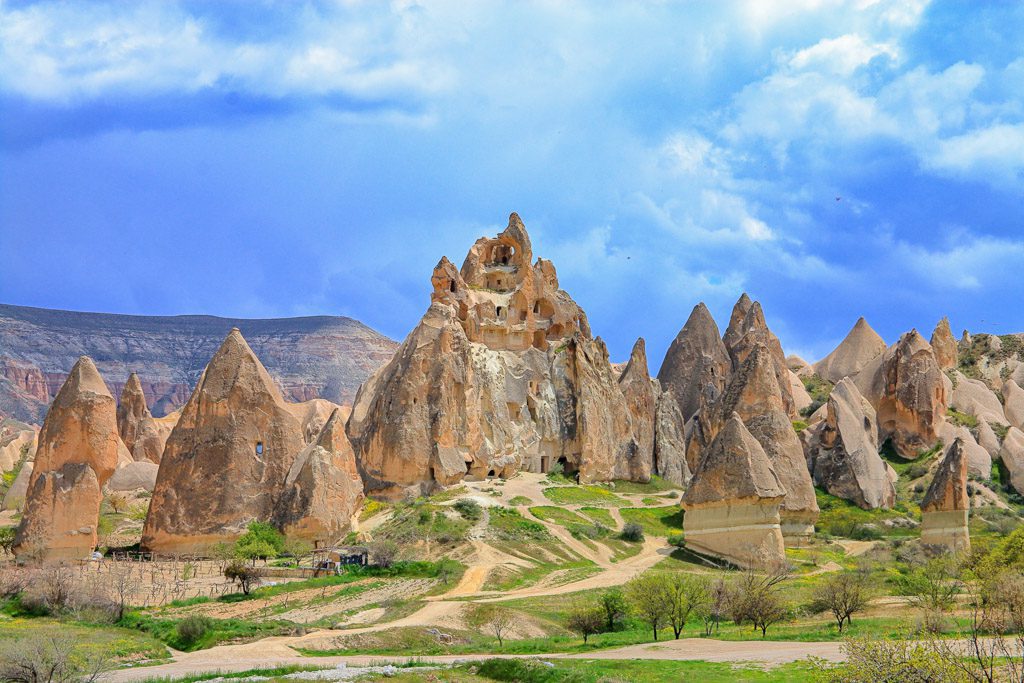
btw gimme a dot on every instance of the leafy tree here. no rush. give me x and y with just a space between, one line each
7 539
245 576
685 593
615 608
117 502
260 541
585 620
650 597
843 594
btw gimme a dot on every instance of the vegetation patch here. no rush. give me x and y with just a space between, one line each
659 521
508 525
599 515
583 495
961 419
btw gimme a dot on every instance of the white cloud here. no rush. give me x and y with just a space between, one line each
842 55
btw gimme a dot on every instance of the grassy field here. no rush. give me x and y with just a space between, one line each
659 521
584 495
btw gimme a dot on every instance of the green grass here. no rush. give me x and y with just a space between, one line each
961 419
659 521
655 485
635 671
599 515
583 495
519 500
122 644
220 631
275 672
507 524
557 515
843 519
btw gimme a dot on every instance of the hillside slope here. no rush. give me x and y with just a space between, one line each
322 356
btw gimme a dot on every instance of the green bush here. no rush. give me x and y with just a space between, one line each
260 541
678 540
192 628
632 532
469 509
526 671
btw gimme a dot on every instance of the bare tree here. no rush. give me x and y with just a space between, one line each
754 598
117 502
498 620
843 594
122 586
585 620
50 657
714 606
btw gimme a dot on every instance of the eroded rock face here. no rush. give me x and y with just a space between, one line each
944 345
843 451
500 375
139 475
754 394
323 492
77 454
908 391
670 441
143 436
227 459
1014 406
946 504
732 503
14 499
973 397
979 461
1011 454
12 446
696 365
313 415
858 348
748 329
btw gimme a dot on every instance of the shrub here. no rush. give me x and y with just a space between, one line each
261 541
556 469
7 539
192 628
678 540
53 657
632 532
246 577
469 509
383 553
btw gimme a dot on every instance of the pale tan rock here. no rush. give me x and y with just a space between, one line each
313 415
139 475
798 366
143 436
1013 396
944 345
973 397
732 503
697 364
995 344
14 499
323 492
801 399
979 461
945 506
843 451
860 346
500 375
745 333
226 461
14 446
908 391
77 454
987 439
1011 454
670 441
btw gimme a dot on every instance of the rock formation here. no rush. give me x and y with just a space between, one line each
858 348
14 499
732 503
798 366
747 329
973 397
945 506
641 394
143 436
13 446
696 365
944 345
979 461
323 492
670 441
908 391
500 375
321 356
77 454
313 415
754 395
226 461
843 451
139 475
1013 395
1011 455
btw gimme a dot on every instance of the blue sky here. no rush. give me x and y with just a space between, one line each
259 159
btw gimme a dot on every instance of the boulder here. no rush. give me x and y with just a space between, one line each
860 346
801 399
944 345
139 475
323 492
1013 408
908 391
945 507
748 329
973 397
843 451
142 435
14 499
227 459
500 375
696 364
732 503
1011 455
77 454
670 441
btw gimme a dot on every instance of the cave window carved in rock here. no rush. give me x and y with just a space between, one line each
259 448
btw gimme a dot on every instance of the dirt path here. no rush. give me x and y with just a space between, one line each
276 652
